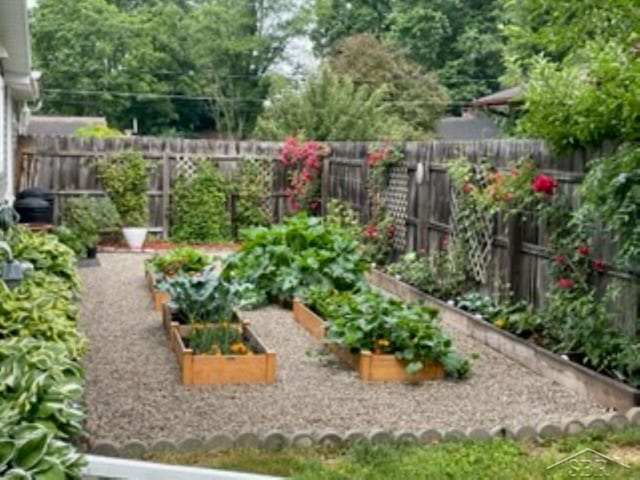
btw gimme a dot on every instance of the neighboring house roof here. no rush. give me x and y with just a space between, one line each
15 50
503 97
52 125
466 128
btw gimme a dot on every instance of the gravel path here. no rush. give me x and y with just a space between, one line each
133 389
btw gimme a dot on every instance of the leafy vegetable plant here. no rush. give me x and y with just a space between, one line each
367 320
181 259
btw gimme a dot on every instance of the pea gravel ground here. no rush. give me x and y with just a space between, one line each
133 389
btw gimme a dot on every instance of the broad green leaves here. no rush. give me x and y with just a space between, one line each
365 319
282 260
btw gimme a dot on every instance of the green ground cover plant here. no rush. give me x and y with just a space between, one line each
185 259
40 377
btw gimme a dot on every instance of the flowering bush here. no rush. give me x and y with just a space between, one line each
377 239
381 160
304 161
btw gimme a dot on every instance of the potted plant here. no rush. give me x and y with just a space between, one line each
125 181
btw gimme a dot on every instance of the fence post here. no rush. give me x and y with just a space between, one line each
514 252
233 213
166 194
324 185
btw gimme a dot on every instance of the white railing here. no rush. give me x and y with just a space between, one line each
118 468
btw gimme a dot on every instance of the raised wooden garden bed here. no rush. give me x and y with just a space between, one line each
158 297
593 386
256 367
370 366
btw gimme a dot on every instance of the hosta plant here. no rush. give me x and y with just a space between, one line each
368 320
41 307
40 384
45 253
29 451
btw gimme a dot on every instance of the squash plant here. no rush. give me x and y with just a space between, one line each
365 319
181 259
282 260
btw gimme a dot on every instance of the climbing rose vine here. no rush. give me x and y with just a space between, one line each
303 159
544 184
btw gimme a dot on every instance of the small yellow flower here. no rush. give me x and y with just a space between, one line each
500 322
238 348
382 342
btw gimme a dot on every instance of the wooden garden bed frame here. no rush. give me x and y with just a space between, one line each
256 367
593 386
370 366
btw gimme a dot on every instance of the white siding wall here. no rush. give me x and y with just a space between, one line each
3 137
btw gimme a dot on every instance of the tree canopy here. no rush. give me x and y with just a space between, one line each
173 64
458 39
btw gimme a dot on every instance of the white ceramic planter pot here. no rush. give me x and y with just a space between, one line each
135 237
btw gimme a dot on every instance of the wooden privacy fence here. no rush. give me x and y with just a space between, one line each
418 196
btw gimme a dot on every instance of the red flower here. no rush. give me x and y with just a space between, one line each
544 184
561 259
583 250
598 265
565 282
468 187
390 229
508 196
370 231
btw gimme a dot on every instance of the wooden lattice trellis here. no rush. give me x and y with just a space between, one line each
475 228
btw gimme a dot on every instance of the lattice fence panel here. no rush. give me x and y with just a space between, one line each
395 199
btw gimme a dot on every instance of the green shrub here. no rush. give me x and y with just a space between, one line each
330 107
125 181
198 207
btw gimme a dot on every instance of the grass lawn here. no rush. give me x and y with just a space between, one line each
496 459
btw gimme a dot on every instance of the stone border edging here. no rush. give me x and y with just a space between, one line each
277 440
594 386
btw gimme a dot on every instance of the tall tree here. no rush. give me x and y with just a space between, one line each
413 94
459 39
172 64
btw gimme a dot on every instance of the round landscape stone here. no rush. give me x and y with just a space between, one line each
596 423
526 432
381 437
430 436
454 434
572 427
501 432
191 444
549 430
616 420
275 441
352 437
633 415
248 440
219 441
331 439
478 434
133 449
407 438
302 440
163 446
107 449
